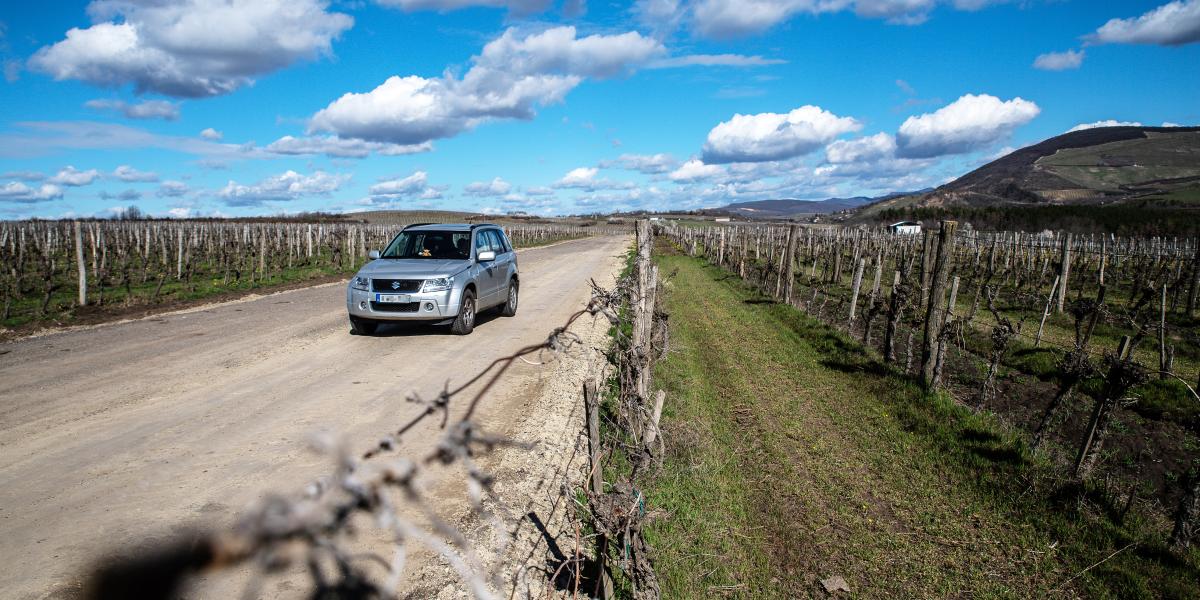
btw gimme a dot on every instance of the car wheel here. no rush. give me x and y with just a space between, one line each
509 309
362 327
465 321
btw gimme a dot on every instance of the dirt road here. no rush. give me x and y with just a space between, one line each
114 435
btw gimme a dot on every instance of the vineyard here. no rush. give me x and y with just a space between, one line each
1086 347
61 270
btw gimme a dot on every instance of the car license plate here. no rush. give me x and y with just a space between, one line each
390 298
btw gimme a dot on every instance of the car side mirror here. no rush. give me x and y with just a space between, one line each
374 254
486 256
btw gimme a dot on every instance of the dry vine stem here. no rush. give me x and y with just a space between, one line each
315 526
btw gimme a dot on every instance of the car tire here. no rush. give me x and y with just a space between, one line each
509 308
362 326
464 323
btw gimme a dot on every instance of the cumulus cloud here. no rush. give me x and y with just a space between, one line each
513 75
520 7
191 48
211 134
864 149
34 175
173 189
774 136
412 186
342 147
74 177
1059 61
289 185
15 191
584 178
130 174
1172 24
867 158
1105 123
127 196
714 60
483 189
696 170
649 164
149 109
965 125
32 138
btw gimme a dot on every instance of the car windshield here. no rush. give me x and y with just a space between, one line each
452 245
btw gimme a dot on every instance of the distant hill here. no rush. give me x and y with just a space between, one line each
789 208
1122 180
1092 166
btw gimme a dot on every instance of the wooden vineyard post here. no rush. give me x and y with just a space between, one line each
935 316
82 267
1046 313
1064 271
789 263
1163 361
858 274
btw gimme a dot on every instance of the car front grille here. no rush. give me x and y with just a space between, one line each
406 286
396 307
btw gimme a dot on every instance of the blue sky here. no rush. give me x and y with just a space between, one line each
239 107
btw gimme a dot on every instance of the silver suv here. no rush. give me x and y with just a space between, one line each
440 274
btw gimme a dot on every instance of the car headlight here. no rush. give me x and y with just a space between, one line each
437 284
361 283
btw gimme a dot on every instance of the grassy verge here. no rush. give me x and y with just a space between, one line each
794 456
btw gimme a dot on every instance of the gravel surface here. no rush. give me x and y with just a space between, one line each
115 436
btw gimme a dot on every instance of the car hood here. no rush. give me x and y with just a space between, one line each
412 268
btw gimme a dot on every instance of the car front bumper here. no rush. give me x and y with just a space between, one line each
422 306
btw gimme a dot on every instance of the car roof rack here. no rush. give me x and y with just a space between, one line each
416 225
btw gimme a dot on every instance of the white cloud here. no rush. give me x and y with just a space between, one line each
15 191
128 173
74 177
649 164
696 170
867 158
34 138
580 177
774 136
126 196
1172 24
511 76
483 189
211 134
413 185
173 189
289 185
192 48
1104 123
736 18
149 109
714 60
584 178
864 149
36 176
342 147
520 7
1059 61
965 125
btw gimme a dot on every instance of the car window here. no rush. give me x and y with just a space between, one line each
482 242
430 244
497 241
